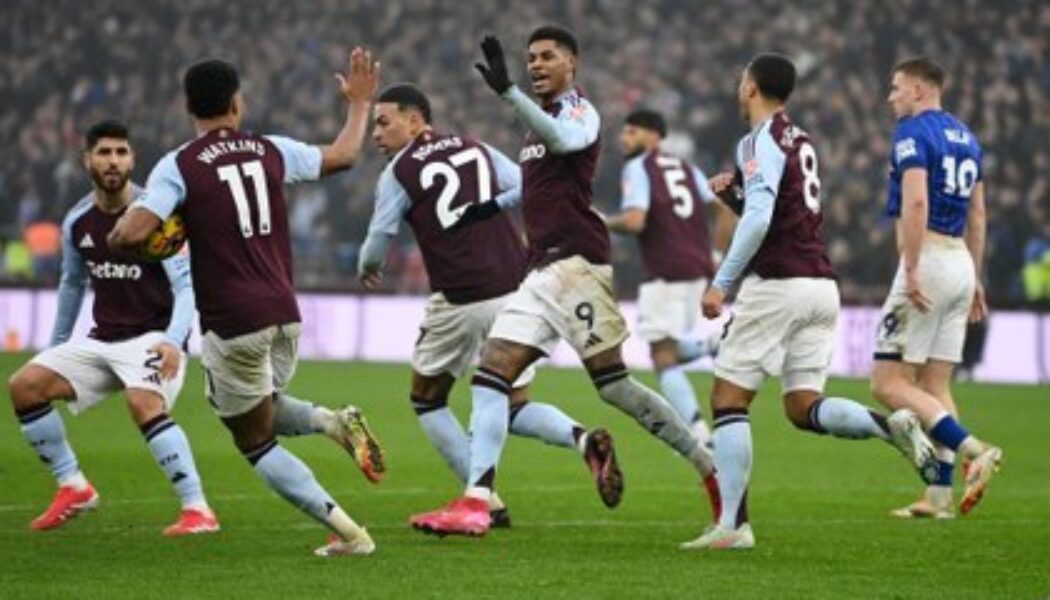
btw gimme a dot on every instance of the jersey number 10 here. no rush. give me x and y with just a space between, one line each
959 180
232 176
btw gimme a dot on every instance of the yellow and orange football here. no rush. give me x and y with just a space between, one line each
166 240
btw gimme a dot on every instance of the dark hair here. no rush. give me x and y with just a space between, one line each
648 119
559 35
922 67
406 95
774 74
210 86
110 128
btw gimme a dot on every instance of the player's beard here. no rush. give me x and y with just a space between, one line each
110 181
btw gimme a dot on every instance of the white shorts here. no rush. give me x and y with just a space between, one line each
452 335
240 371
947 276
570 299
97 369
669 309
782 327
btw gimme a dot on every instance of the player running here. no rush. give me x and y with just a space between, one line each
228 185
568 292
936 193
663 204
143 312
451 190
784 317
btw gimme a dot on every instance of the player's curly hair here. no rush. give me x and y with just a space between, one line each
648 119
209 86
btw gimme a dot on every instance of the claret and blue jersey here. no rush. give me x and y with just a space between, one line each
936 141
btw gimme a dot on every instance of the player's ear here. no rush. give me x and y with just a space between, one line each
85 159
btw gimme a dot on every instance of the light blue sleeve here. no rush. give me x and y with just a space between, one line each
635 183
762 173
165 188
701 184
392 202
575 128
178 270
70 287
508 178
302 162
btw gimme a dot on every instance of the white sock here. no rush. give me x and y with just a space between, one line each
544 422
732 438
445 434
845 418
678 391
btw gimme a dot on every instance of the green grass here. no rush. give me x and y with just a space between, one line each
819 508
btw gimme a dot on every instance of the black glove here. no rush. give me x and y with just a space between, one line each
476 211
495 72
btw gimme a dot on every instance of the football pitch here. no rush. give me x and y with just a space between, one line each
819 507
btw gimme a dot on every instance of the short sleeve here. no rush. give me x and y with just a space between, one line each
763 166
165 188
910 148
392 202
302 162
635 183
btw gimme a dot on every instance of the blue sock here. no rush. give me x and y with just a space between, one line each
446 434
733 456
677 390
945 466
488 427
948 432
45 432
292 479
170 448
544 422
294 417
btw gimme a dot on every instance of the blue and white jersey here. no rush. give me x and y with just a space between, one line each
938 142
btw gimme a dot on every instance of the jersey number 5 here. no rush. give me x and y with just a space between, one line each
674 178
447 215
232 176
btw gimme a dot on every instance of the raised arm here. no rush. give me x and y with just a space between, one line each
358 86
570 131
165 190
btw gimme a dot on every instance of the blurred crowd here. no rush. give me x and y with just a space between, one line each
66 63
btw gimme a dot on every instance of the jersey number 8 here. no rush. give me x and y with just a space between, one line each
807 162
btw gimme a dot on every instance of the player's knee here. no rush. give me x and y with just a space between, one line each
503 358
25 390
664 354
145 406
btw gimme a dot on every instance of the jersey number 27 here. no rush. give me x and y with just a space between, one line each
447 215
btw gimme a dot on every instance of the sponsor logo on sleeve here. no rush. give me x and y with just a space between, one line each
905 149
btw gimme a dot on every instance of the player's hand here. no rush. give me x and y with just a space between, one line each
476 211
495 70
712 303
979 306
913 289
370 279
170 357
721 183
361 80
